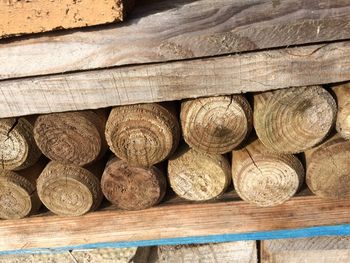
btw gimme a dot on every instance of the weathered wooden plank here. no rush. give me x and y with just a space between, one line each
256 71
310 250
169 221
23 17
165 30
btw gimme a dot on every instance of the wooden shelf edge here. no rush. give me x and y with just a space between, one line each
177 223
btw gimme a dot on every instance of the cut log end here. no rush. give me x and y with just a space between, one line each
328 169
263 178
17 145
342 93
68 190
143 134
132 188
75 138
18 197
216 125
295 119
198 176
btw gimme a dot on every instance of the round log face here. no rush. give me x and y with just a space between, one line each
342 93
132 188
17 196
198 176
17 146
68 190
70 137
268 179
143 134
295 119
216 125
328 169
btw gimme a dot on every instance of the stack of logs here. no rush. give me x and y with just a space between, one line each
293 136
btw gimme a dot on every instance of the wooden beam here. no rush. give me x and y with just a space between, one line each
165 30
249 72
169 221
311 250
25 17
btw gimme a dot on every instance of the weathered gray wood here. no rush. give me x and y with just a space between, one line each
308 250
256 71
169 30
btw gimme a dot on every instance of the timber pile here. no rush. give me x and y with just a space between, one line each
265 170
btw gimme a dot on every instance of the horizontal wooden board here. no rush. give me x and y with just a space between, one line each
164 30
249 72
24 17
310 250
169 221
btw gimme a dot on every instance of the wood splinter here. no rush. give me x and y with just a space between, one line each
216 125
18 195
295 119
328 169
132 188
18 149
198 176
68 189
264 178
143 134
75 138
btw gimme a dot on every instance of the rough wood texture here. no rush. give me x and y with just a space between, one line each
68 190
18 149
132 188
23 17
342 93
169 221
272 69
308 250
178 29
143 134
75 138
328 169
198 176
232 252
295 119
216 125
264 178
18 195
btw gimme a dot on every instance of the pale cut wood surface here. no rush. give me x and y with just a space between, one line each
306 250
342 93
232 252
256 71
23 17
170 221
170 30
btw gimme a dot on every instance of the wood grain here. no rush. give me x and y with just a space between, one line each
256 71
231 252
310 250
170 221
342 93
179 29
23 17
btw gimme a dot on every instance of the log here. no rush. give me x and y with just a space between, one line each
166 30
198 176
216 125
25 17
328 169
132 188
143 134
264 178
342 93
17 145
18 195
75 138
69 190
295 119
273 69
